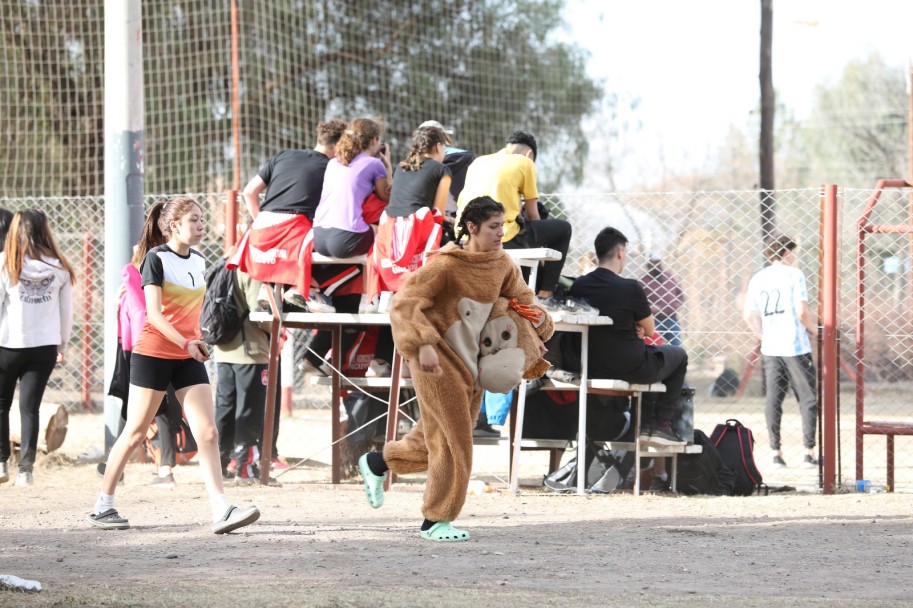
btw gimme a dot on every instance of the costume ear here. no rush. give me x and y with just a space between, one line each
537 369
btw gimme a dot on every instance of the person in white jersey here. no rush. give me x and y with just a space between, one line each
776 311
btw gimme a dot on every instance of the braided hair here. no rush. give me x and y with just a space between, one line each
477 211
424 140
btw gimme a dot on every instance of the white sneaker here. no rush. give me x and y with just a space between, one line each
235 518
309 368
24 478
366 306
318 302
378 369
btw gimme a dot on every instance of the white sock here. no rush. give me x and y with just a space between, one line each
104 502
219 506
164 471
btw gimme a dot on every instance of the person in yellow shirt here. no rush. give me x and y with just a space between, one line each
509 177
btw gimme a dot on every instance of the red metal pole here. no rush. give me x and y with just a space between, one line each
860 338
830 372
231 207
231 221
88 369
235 96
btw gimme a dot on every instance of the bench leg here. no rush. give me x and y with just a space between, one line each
635 413
393 409
272 386
890 463
336 401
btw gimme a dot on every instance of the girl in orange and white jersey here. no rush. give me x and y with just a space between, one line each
170 350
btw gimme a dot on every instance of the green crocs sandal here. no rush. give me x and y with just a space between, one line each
374 484
442 531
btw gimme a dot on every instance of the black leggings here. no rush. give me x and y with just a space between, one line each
31 368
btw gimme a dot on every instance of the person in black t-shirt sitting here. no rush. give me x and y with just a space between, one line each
618 350
272 250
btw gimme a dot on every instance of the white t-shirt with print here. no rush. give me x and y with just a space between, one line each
774 294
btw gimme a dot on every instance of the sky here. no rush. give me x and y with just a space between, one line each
693 65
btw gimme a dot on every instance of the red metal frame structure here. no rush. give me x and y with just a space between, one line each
873 427
828 355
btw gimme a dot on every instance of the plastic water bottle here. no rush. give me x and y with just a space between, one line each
876 487
870 487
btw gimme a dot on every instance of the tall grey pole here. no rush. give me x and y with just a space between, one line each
123 169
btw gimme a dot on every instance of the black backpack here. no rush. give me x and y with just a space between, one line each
704 473
221 317
604 472
735 443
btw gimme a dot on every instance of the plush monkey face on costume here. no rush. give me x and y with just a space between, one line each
509 345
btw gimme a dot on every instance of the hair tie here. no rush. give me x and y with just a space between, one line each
350 132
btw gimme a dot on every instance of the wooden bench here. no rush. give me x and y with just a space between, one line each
598 386
334 322
890 429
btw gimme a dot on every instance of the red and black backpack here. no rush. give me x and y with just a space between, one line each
735 443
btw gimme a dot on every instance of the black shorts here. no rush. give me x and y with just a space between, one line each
157 374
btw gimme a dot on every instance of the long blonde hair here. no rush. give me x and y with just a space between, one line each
30 235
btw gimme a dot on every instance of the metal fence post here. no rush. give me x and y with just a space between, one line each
830 372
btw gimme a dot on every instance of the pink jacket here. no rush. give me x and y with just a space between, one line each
131 308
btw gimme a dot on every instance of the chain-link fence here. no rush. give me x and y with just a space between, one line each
708 241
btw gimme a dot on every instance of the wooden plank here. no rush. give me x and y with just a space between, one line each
548 384
533 255
623 446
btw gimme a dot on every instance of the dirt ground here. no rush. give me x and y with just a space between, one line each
318 545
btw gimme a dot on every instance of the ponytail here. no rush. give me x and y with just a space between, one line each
152 236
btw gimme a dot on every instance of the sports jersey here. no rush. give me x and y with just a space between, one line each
774 294
183 286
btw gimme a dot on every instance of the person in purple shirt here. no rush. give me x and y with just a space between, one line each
361 168
665 297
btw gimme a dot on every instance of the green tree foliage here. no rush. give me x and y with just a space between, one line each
51 98
485 67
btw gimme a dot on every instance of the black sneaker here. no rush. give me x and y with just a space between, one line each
579 307
663 434
486 430
551 304
809 461
779 462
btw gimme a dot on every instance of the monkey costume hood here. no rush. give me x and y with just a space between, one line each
475 310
